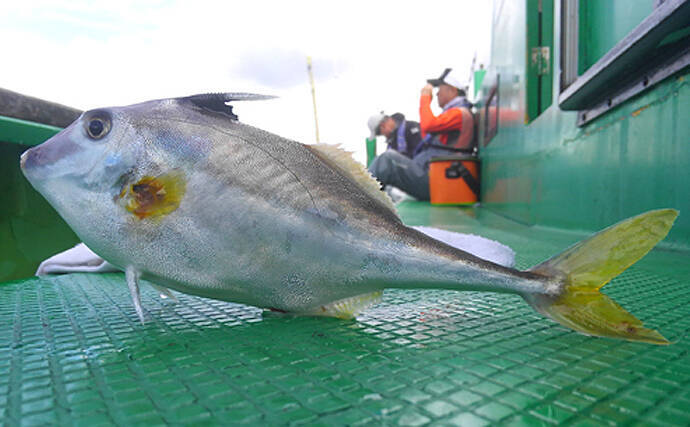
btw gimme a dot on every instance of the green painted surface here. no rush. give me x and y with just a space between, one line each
30 229
546 75
605 23
371 150
478 80
72 352
24 132
552 173
539 73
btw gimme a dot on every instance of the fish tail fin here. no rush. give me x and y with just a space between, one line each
588 265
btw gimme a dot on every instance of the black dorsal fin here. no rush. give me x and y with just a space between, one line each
217 102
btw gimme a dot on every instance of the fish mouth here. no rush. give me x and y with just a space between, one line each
32 158
33 164
22 159
29 163
35 161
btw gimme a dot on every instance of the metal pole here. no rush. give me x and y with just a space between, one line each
313 98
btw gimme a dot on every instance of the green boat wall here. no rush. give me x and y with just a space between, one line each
30 229
547 171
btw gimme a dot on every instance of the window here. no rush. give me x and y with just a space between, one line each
615 49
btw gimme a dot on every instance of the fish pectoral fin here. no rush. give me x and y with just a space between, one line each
346 308
164 292
132 276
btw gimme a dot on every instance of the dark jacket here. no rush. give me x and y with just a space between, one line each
413 135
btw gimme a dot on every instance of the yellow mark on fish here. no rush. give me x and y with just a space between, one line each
152 197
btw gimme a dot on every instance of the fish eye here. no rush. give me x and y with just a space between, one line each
97 127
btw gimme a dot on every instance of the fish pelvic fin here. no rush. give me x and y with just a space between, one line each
132 276
346 308
588 265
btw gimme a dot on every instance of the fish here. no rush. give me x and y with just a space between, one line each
181 193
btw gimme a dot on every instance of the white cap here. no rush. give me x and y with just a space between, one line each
448 77
374 122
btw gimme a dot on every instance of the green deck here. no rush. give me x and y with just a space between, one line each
73 352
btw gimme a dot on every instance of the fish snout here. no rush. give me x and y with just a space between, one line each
47 153
32 158
30 163
22 159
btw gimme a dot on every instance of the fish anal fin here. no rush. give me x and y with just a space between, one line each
347 308
342 160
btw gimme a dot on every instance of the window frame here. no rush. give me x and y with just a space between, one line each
626 69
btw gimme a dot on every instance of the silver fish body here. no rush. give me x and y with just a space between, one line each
181 193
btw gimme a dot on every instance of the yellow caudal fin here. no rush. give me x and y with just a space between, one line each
590 264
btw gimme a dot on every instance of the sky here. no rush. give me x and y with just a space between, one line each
368 56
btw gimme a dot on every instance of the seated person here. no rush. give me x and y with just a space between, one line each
401 135
440 135
454 126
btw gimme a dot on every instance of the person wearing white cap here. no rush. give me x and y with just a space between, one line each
401 135
440 136
451 98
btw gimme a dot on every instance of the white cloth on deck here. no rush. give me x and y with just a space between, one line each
481 247
78 259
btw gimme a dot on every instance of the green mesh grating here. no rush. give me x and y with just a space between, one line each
73 352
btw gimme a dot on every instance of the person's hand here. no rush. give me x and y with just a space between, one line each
427 90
